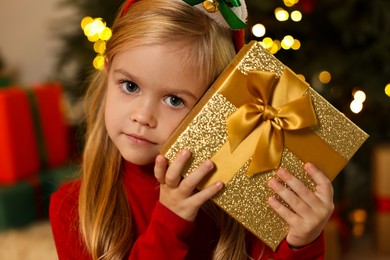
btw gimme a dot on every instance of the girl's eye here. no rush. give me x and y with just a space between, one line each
174 101
129 86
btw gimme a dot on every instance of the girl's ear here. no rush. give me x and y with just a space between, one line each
106 64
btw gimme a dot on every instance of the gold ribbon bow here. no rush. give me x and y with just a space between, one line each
274 109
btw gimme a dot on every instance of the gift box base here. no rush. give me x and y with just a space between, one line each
26 201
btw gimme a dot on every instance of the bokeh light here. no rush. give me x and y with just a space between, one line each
360 96
287 42
86 20
387 89
98 62
301 77
105 34
296 45
268 42
324 77
296 16
98 33
290 3
99 47
281 14
258 30
356 106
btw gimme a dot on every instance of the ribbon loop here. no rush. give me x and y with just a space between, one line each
295 112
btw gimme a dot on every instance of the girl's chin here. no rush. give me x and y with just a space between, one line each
139 160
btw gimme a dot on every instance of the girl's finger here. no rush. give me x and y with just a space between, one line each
300 192
324 189
173 174
288 215
192 180
296 203
160 168
202 196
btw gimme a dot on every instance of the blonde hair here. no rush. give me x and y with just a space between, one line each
105 217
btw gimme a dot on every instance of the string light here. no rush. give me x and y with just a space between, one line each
287 42
360 96
296 16
100 47
98 62
357 103
358 218
105 34
324 77
356 106
96 31
271 45
290 3
274 48
258 30
278 44
86 20
301 77
387 89
281 14
296 45
268 42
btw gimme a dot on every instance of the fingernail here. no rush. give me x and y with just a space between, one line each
272 200
272 183
308 166
219 184
281 172
209 164
185 153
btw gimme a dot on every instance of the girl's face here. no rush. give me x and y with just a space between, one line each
149 92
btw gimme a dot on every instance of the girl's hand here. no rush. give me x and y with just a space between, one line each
178 194
310 210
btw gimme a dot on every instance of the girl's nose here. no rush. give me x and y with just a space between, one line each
143 113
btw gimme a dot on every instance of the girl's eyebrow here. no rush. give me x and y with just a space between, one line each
125 73
176 91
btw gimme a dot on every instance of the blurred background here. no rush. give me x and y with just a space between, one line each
49 47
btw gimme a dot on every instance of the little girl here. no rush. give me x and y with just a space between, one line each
129 204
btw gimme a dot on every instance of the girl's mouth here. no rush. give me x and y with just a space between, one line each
137 139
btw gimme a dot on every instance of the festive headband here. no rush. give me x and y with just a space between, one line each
231 14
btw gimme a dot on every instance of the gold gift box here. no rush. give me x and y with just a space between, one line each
253 87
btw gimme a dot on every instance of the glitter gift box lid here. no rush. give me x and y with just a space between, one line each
329 144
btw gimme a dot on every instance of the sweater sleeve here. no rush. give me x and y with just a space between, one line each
313 251
164 238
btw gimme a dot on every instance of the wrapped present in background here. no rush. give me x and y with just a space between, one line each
381 192
258 116
33 132
18 144
52 128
